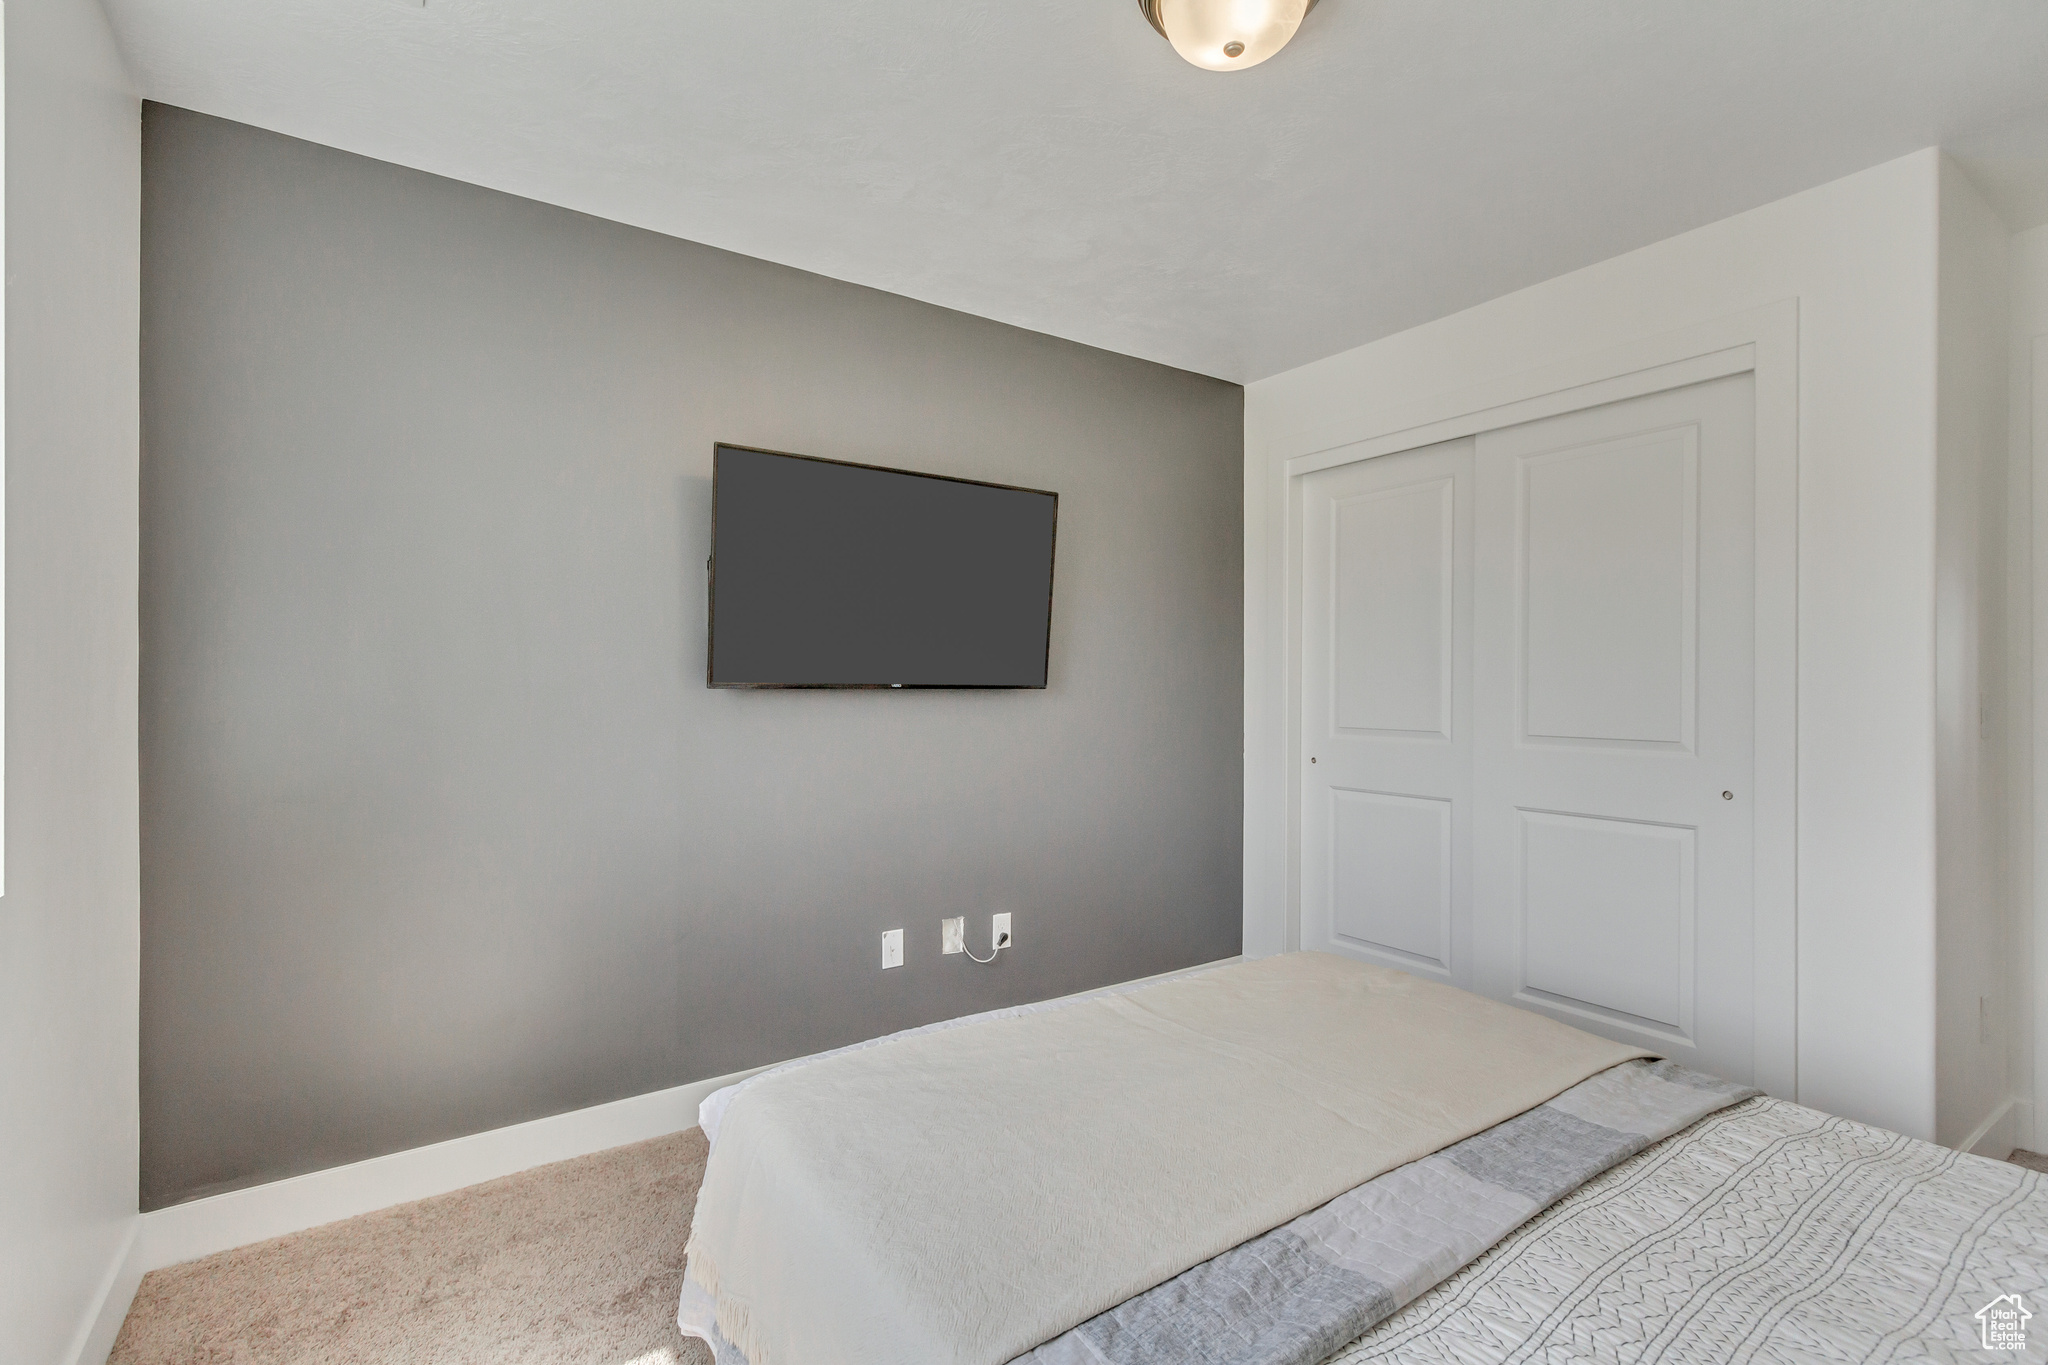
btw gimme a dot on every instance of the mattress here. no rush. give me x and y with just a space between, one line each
1765 1233
961 1198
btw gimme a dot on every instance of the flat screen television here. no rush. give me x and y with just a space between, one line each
831 574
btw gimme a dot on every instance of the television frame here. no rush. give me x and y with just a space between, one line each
711 586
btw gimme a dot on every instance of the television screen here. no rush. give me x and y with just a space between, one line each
828 574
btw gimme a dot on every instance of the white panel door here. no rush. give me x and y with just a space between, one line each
1386 610
1613 734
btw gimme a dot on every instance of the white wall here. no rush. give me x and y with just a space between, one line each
69 928
1859 255
1973 915
2027 372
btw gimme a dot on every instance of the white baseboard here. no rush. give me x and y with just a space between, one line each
1994 1137
222 1222
185 1232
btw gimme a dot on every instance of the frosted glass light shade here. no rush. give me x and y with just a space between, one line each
1227 35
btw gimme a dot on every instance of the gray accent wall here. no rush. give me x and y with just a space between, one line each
442 829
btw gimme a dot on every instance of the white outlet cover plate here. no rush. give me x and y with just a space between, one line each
953 935
892 948
999 932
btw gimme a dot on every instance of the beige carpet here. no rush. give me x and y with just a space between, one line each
578 1264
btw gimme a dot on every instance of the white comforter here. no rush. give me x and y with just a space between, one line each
958 1197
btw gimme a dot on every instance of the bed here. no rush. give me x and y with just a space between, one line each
1305 1160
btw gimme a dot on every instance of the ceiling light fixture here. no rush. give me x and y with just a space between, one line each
1226 35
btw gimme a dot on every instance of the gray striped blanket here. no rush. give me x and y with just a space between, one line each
1305 1289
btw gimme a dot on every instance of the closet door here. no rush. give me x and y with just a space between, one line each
1613 693
1386 611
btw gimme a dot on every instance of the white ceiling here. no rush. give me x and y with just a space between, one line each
1053 164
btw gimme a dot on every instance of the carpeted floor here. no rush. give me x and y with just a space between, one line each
578 1263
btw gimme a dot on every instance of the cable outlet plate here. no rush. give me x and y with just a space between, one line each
953 935
892 948
999 931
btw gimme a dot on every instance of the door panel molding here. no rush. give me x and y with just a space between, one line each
1587 655
1367 536
1595 967
1392 882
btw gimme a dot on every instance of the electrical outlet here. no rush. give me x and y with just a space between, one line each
999 931
892 948
953 935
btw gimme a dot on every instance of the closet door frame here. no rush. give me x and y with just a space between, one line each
1763 342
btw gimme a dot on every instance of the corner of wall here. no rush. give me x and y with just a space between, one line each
101 1325
70 920
1975 1005
2027 442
